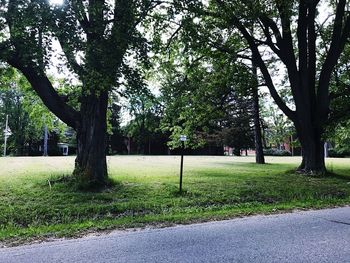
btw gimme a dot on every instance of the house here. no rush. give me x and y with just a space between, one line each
63 148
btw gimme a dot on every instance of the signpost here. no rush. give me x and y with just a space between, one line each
183 138
7 133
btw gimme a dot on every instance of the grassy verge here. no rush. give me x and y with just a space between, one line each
34 205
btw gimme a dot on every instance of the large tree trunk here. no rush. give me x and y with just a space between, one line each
90 164
313 161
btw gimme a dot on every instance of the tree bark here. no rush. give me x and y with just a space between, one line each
310 137
90 164
259 153
313 158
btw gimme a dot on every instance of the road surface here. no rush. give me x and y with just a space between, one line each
313 236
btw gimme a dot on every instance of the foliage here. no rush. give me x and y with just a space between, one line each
27 114
95 38
283 37
205 98
339 136
144 127
338 153
115 132
276 152
278 128
340 106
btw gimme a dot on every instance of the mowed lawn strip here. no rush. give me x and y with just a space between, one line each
35 204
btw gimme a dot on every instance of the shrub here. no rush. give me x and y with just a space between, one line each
276 152
338 153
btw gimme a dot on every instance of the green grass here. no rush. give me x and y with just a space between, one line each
145 192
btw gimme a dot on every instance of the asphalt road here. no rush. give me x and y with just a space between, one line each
314 236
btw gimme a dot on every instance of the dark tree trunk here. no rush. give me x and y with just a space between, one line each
259 153
90 164
149 146
263 134
237 151
313 161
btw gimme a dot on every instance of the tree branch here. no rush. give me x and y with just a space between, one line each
261 64
311 47
173 35
340 35
259 61
69 53
286 46
5 50
266 29
145 11
46 92
303 41
79 9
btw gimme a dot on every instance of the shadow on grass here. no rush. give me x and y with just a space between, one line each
71 183
246 170
254 165
233 163
327 175
337 176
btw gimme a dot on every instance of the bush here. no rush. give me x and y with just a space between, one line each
276 152
338 153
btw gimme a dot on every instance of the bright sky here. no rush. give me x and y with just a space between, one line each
56 2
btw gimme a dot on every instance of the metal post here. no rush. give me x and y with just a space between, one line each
182 164
5 137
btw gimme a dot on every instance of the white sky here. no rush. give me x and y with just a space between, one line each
56 2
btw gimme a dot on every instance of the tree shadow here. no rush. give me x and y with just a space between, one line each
337 176
327 174
244 163
71 183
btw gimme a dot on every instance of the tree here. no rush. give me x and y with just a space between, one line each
308 68
340 91
199 36
115 133
258 140
237 131
95 37
204 98
279 127
27 114
146 114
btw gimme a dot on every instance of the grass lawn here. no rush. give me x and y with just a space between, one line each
146 193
